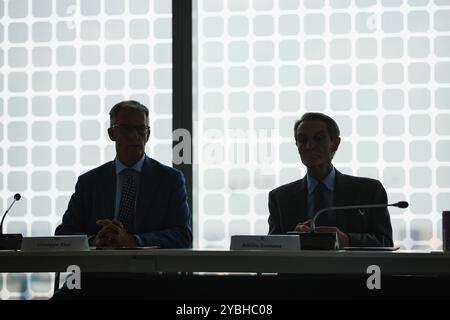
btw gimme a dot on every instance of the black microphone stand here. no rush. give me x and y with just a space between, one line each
318 240
10 241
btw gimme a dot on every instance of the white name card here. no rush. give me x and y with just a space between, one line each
56 243
266 242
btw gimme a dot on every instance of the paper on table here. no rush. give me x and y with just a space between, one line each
126 248
395 248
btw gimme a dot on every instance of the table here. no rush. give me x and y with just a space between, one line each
244 273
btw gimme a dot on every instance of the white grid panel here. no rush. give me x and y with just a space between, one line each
64 64
380 68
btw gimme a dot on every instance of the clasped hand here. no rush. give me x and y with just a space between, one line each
306 227
113 234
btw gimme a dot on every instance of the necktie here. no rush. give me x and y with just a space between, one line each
128 200
320 202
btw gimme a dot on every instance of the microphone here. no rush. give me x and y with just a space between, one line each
400 204
329 240
10 241
17 197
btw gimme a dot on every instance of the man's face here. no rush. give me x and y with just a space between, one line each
314 143
130 133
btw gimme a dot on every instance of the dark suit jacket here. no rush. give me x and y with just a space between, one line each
288 207
162 213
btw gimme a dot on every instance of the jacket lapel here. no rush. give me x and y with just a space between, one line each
343 196
147 190
108 192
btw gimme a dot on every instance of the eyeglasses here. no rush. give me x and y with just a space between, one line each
128 128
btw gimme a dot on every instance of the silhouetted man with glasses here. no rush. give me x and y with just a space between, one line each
133 200
128 202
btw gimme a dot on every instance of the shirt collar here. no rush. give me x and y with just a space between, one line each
328 181
136 167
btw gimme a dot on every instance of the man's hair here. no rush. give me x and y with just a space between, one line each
332 126
127 104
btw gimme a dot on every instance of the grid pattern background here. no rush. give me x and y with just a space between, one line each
64 64
380 68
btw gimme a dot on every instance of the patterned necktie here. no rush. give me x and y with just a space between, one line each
320 201
128 200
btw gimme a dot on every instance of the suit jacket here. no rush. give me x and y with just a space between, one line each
162 213
288 207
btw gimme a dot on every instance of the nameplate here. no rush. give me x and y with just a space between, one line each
266 242
57 243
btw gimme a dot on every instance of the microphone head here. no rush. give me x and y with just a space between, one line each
402 204
17 197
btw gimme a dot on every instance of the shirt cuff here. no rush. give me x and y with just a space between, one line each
138 240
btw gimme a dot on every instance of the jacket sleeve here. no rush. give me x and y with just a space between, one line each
74 220
177 231
274 215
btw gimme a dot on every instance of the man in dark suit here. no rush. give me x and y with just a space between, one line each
293 205
128 202
132 200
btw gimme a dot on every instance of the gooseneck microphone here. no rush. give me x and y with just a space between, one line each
329 240
400 204
16 198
